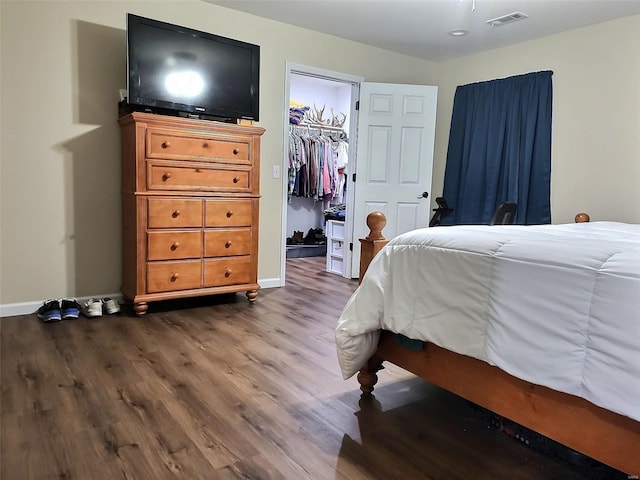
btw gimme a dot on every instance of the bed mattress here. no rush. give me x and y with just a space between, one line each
555 305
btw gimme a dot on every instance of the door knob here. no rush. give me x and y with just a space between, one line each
423 195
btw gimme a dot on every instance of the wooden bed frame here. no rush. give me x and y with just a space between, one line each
608 437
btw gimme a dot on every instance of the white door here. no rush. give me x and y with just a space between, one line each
394 159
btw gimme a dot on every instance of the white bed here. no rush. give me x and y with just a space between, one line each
554 305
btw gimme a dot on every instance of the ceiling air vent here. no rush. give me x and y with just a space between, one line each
510 18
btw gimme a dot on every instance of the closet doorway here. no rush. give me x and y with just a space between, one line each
393 132
316 220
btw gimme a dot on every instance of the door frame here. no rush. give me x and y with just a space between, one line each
354 81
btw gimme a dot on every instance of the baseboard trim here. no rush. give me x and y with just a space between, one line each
14 309
28 308
271 283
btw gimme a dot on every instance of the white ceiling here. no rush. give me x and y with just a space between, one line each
419 28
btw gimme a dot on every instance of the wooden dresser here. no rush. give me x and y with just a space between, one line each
190 193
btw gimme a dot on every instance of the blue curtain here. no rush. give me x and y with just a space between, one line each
500 150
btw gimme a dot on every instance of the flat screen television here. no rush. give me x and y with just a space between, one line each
178 70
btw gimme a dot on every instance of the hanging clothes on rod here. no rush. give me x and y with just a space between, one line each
318 158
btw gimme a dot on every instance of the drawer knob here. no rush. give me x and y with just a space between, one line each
174 277
176 213
236 179
227 244
175 245
166 176
205 145
228 272
166 144
236 151
229 213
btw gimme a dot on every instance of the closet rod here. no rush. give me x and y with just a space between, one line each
317 125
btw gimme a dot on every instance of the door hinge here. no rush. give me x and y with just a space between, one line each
353 178
351 247
357 104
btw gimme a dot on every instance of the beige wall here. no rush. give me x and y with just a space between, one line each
596 114
62 64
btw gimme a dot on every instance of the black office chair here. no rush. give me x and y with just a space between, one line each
505 214
442 211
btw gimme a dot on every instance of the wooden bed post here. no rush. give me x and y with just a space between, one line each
582 218
368 375
372 243
369 247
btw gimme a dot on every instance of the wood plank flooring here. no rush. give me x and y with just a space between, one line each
217 388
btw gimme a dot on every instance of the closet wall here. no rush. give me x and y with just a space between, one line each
303 213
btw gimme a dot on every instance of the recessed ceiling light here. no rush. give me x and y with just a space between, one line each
458 33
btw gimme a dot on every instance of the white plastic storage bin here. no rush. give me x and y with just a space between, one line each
335 246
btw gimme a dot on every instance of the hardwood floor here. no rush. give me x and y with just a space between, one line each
217 388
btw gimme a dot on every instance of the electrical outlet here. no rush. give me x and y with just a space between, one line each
276 171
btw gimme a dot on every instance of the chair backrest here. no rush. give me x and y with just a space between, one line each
505 214
442 211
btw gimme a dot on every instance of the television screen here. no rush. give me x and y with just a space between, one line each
184 70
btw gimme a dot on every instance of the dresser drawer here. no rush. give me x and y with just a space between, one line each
173 245
228 213
227 271
227 241
174 145
174 213
164 176
169 276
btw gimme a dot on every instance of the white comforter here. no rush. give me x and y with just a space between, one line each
555 305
